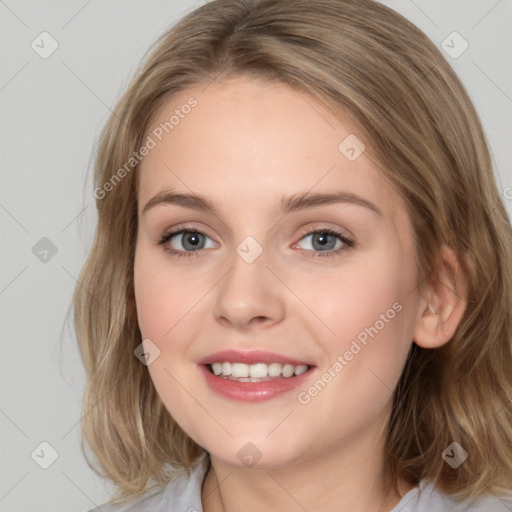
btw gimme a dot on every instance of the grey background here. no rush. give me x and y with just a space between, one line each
51 113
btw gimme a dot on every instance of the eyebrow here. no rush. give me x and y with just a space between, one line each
289 204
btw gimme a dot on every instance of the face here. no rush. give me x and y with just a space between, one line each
263 267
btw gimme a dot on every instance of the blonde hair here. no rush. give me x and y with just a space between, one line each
363 59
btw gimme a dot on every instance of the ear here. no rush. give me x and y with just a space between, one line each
447 296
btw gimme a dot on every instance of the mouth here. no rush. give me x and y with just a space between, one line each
253 376
258 372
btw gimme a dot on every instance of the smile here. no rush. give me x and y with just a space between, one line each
258 372
253 376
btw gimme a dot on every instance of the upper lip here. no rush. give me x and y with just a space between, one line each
250 357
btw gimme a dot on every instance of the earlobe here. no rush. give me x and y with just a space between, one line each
447 302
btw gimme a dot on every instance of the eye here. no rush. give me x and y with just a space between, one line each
326 242
190 240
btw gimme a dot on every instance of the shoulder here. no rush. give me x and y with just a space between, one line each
182 493
427 498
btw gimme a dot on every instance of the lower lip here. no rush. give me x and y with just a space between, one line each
252 391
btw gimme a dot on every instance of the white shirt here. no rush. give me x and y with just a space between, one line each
183 494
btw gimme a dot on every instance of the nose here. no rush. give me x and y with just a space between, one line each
249 295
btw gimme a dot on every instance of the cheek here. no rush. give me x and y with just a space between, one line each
162 297
165 303
364 358
356 296
369 311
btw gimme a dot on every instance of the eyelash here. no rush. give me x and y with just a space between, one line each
348 244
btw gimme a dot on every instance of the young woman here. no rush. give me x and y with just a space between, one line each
299 292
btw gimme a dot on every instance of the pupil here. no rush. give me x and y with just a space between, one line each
322 238
192 240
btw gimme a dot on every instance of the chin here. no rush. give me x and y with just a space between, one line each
252 452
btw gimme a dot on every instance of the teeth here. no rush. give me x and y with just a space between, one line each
288 370
258 370
253 372
239 370
274 369
301 369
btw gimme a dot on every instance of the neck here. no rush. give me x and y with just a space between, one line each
337 480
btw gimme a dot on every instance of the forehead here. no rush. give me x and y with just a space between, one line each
247 141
